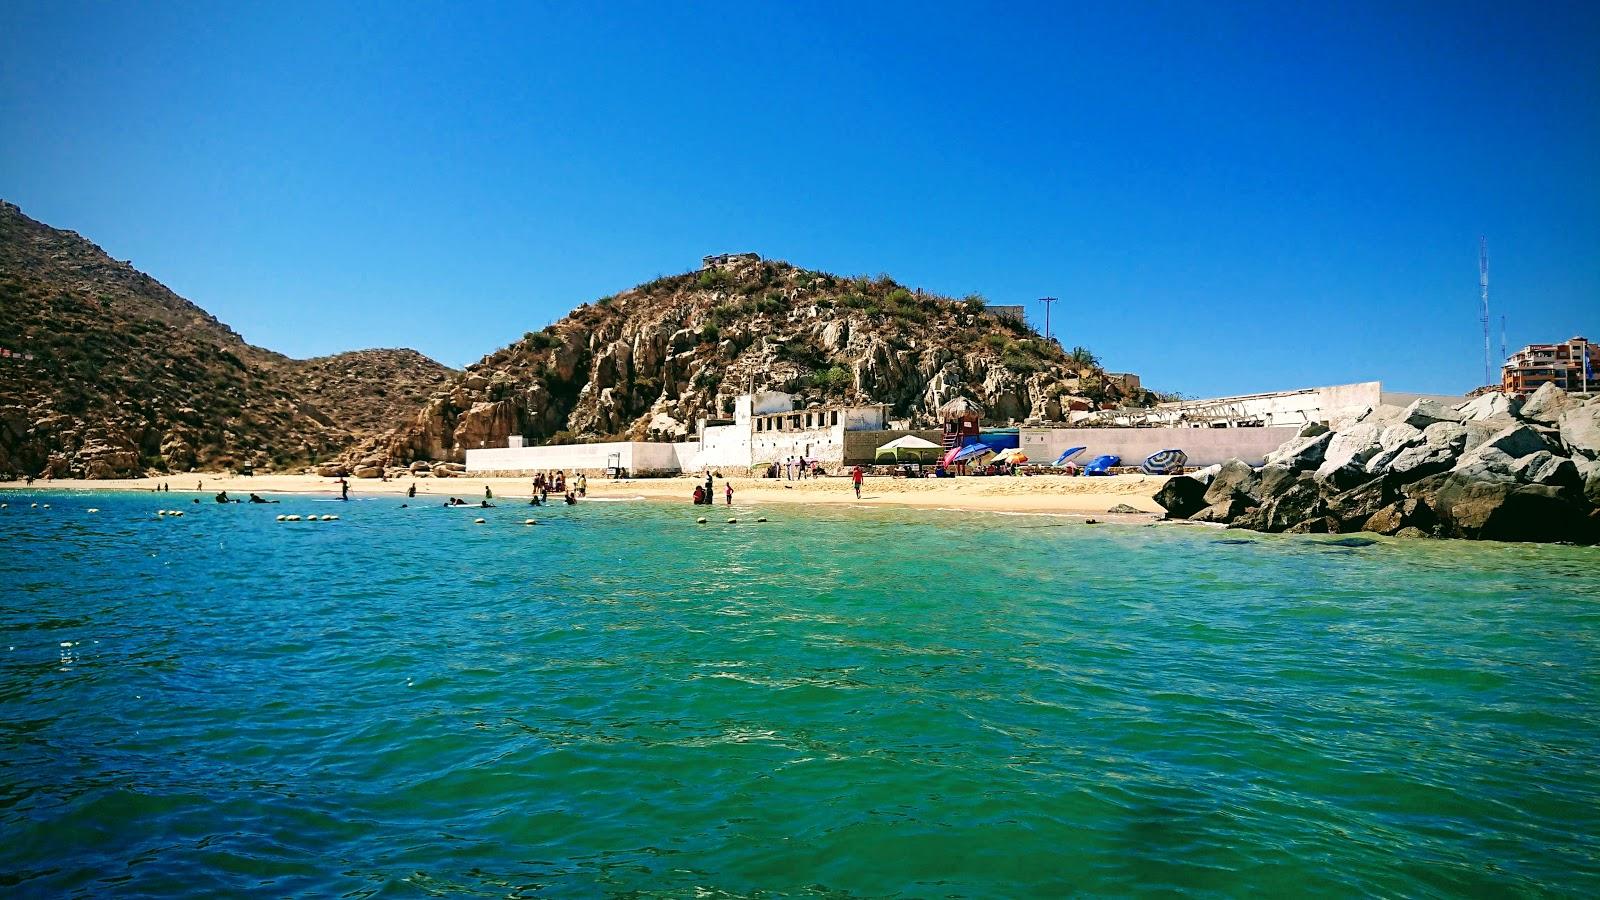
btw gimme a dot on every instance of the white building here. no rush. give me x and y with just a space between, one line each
766 428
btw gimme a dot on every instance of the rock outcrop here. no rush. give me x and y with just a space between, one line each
1492 469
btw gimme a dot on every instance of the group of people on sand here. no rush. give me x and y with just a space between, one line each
706 494
795 468
545 482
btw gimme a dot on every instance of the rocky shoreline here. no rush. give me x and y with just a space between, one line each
1493 468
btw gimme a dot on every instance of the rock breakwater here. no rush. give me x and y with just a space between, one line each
1492 468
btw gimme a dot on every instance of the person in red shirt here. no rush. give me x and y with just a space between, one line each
855 476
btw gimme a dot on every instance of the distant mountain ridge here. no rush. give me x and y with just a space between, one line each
127 376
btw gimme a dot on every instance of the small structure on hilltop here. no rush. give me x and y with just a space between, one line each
724 260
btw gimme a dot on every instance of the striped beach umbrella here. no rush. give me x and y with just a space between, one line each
1164 462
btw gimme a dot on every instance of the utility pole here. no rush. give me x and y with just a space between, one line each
1483 285
1047 301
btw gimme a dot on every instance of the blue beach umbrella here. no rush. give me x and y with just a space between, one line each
1070 453
1102 465
1164 462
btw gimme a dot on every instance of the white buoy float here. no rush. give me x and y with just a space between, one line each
282 518
94 509
762 519
479 521
733 521
292 519
330 518
312 518
700 521
530 521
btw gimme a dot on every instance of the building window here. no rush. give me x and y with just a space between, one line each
836 417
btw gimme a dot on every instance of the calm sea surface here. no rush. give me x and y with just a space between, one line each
835 702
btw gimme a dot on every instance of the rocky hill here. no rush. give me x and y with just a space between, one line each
646 363
126 376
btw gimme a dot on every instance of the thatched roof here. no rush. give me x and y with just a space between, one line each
959 407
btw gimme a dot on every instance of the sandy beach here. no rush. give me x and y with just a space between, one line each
1042 493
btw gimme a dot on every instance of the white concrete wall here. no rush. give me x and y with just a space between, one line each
1204 445
635 456
1319 404
825 444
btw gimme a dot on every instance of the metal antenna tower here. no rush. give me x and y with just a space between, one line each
1047 301
1483 285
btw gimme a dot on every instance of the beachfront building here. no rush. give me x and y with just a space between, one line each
766 427
1571 365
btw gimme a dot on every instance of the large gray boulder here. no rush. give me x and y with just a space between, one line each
1353 507
1580 430
1486 463
1275 477
1424 412
1503 511
1441 444
1517 441
1351 447
1399 516
1488 406
1295 502
1547 404
1301 453
1394 439
1546 468
1589 471
1234 480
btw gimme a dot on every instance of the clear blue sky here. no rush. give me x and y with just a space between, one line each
1226 197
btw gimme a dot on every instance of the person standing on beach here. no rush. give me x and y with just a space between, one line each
727 491
855 477
583 485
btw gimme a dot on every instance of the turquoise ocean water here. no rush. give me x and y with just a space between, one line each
835 702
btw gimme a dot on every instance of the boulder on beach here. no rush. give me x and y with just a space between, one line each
1182 496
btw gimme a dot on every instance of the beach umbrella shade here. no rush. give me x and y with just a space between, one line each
1069 453
910 446
973 452
1164 462
1102 465
1013 455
